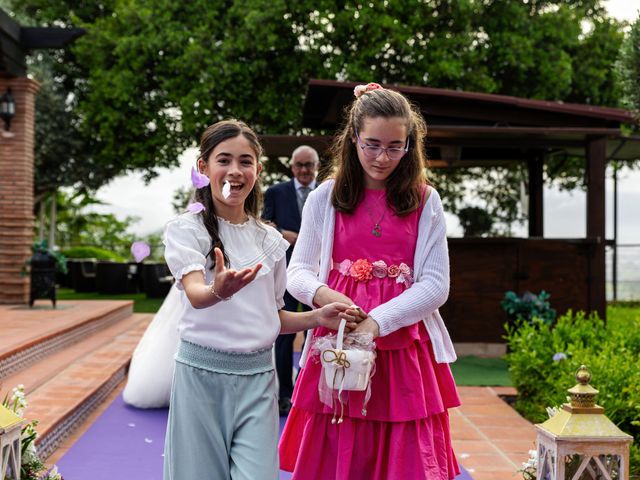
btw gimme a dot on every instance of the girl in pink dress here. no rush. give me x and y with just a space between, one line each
374 235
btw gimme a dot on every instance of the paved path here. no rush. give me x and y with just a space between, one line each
489 437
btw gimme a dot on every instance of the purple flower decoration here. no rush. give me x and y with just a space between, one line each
140 251
559 356
199 180
195 207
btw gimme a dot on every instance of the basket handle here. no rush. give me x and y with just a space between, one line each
340 336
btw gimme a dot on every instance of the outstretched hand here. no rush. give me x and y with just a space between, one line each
228 281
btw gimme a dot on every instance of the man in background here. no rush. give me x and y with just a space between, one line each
283 205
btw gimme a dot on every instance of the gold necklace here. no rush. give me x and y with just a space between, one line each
376 231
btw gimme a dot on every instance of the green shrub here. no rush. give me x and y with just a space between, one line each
528 306
543 359
92 252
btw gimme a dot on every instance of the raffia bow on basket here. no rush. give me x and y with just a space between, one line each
345 368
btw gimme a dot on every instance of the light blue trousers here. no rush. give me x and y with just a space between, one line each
222 425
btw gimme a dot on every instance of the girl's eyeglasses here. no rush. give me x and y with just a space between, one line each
374 151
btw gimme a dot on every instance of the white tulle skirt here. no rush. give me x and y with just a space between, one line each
152 364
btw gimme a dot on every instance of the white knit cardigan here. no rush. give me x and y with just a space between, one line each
312 260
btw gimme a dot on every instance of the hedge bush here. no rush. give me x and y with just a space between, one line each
92 252
543 359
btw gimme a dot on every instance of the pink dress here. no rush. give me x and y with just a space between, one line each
405 433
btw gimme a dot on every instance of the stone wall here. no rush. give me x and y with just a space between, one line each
16 191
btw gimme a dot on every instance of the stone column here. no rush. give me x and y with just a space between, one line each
16 191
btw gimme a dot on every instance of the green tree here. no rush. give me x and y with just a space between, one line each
79 225
62 157
628 68
181 198
149 75
475 221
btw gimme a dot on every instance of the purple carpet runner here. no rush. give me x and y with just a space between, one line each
126 443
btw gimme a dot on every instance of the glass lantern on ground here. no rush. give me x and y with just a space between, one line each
10 444
579 442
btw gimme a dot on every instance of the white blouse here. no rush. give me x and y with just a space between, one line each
249 321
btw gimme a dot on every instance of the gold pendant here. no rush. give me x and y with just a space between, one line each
376 230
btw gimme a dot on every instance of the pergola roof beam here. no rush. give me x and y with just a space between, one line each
35 38
325 100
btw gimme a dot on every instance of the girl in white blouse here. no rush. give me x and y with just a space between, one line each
231 271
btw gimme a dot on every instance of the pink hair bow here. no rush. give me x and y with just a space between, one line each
360 89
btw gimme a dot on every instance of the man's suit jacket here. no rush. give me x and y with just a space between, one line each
281 208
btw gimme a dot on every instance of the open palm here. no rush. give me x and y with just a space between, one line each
228 281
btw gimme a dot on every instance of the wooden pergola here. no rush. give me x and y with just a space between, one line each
468 129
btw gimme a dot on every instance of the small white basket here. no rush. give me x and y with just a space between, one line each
346 369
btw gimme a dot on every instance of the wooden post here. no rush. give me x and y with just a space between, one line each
614 273
16 192
595 176
536 209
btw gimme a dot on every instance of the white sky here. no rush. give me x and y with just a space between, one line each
564 216
623 9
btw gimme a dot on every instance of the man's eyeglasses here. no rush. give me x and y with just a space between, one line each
374 151
308 165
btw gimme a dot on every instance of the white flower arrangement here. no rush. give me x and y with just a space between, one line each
530 467
31 465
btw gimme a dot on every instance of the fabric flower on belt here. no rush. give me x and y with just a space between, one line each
393 271
344 267
405 275
361 270
379 269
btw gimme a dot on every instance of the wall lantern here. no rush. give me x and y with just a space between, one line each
7 108
579 442
10 444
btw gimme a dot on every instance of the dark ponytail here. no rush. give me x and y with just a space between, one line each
210 221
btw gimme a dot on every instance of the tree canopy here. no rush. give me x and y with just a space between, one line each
149 75
628 68
62 157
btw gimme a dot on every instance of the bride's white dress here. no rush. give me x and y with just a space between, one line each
152 364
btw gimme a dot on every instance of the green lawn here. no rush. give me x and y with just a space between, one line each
475 371
141 304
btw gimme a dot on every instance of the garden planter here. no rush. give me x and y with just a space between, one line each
156 279
112 278
43 277
82 273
